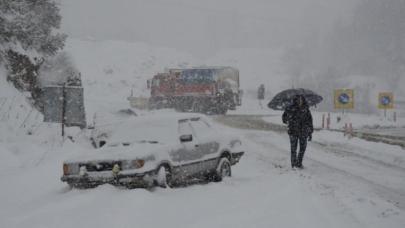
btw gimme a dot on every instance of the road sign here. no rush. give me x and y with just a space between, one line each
344 99
64 105
386 100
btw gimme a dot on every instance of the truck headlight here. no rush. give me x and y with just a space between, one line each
65 169
83 171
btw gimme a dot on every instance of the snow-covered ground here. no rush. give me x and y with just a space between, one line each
345 183
336 189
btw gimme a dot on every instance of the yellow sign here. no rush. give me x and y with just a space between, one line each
386 100
344 99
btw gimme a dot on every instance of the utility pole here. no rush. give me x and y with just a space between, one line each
63 110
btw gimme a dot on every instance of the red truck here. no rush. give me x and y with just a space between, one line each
210 90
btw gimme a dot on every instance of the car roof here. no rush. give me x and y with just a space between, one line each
159 127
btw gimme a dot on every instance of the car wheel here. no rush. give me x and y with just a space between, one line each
164 177
223 169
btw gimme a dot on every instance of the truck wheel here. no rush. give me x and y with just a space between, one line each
223 169
222 110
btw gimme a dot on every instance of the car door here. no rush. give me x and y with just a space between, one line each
207 145
186 155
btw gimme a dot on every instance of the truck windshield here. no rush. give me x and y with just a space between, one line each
197 76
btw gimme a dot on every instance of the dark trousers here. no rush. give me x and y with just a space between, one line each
297 161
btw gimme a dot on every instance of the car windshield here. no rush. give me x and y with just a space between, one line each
150 131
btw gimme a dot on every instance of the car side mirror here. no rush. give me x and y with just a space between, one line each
186 138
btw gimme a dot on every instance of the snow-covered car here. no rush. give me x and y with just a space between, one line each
162 150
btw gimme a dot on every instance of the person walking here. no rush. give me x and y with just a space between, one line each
300 128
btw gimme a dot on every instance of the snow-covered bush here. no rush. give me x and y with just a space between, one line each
27 36
59 70
28 27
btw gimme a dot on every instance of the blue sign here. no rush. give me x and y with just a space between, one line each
344 98
385 100
197 76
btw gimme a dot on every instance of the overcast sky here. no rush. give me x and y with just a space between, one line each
201 26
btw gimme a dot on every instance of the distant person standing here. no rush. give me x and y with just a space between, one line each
260 94
300 128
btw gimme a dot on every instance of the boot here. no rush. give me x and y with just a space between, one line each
293 160
299 165
299 161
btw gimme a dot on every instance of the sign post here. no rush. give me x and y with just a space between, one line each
65 105
385 101
63 110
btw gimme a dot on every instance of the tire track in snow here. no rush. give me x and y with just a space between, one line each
393 196
334 148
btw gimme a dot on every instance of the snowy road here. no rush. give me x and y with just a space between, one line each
343 185
378 166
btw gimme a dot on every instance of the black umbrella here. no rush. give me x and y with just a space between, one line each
284 98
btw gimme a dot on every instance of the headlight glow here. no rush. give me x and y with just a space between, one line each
82 171
139 163
65 169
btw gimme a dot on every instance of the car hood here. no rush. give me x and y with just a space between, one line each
153 151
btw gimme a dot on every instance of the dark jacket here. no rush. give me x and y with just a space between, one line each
298 118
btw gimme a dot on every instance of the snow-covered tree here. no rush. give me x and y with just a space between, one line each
27 36
28 27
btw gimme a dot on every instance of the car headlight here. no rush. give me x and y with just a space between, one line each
116 169
133 164
73 168
70 168
138 163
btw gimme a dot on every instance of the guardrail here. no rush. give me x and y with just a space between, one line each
388 139
255 122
